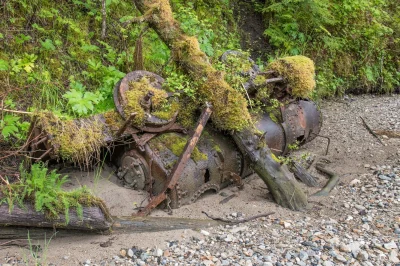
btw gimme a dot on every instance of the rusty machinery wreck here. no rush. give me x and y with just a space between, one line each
146 162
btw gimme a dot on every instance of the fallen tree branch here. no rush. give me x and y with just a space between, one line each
388 133
238 221
16 111
333 180
370 131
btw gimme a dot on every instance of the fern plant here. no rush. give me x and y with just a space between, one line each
44 190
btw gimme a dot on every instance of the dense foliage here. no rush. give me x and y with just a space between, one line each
354 43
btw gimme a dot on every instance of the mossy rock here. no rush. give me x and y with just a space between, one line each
298 71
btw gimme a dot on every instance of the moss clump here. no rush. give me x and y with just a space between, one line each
113 120
187 113
167 111
260 80
176 144
160 106
238 62
78 141
229 106
298 71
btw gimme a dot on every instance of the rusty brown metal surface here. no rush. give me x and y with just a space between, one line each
119 92
180 165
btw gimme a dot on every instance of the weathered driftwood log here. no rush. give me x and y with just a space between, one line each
93 219
121 225
281 183
303 175
230 107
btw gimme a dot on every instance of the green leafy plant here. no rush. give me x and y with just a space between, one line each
43 189
82 102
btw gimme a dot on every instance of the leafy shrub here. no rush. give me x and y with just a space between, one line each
353 42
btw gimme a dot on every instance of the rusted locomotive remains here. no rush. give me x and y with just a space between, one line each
173 164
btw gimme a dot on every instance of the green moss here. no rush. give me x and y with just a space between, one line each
73 140
160 105
229 106
176 144
260 80
113 120
298 71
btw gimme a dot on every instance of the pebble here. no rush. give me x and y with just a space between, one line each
390 245
362 256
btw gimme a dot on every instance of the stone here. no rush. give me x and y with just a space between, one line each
362 256
158 252
122 252
328 263
248 263
303 255
344 248
393 257
130 253
390 245
166 253
238 229
340 258
204 232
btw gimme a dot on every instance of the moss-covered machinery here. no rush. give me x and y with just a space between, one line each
145 138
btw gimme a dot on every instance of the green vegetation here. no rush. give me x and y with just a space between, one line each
43 190
354 43
176 144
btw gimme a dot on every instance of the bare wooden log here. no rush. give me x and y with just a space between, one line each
93 218
303 175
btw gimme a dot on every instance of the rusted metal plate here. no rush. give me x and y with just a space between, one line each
273 134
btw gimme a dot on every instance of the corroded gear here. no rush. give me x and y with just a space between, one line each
203 189
133 171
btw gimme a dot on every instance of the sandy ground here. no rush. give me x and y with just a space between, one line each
351 148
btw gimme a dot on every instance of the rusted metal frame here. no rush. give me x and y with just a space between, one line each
325 137
141 141
180 165
126 124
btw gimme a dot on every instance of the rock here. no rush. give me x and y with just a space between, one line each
166 253
130 253
224 256
87 262
158 252
344 248
367 165
234 214
238 229
207 263
229 238
204 232
362 256
340 258
393 257
248 263
328 263
390 245
122 252
384 177
303 255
